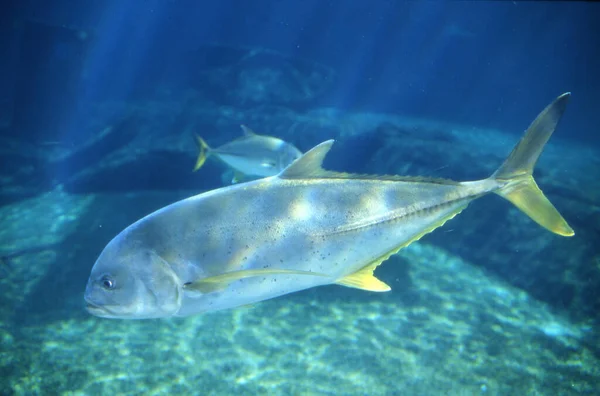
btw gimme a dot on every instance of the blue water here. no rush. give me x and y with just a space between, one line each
434 88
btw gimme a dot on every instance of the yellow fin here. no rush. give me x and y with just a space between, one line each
364 278
220 282
528 197
203 155
516 173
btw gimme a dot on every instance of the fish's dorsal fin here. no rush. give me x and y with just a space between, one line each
247 131
310 164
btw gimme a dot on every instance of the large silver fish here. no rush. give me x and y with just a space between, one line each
302 228
251 154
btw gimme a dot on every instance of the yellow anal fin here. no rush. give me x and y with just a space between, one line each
220 282
365 280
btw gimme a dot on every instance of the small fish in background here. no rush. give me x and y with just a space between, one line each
250 155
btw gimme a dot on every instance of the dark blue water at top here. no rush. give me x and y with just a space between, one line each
483 63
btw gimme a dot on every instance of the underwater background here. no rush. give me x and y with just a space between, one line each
99 104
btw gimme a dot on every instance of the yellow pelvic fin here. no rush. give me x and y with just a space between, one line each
203 155
515 174
220 282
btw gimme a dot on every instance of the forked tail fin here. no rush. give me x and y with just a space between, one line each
204 151
516 173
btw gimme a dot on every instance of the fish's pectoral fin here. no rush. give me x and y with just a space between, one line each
203 287
365 280
247 131
219 282
310 164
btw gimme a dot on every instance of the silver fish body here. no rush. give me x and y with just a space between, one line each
303 228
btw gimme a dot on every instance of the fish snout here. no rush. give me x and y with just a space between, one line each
92 305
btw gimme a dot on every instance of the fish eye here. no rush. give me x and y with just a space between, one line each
107 282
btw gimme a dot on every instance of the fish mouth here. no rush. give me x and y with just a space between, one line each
97 310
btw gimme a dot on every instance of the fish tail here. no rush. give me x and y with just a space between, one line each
204 152
515 176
